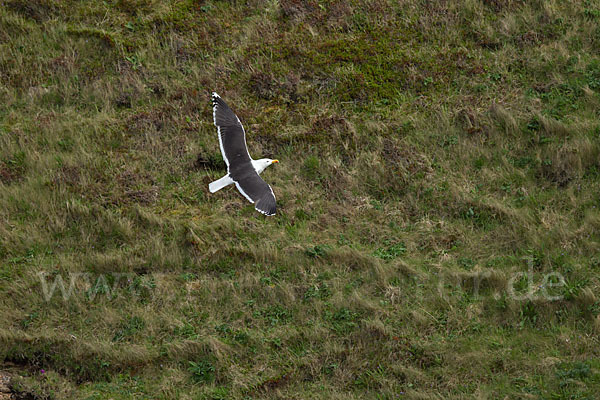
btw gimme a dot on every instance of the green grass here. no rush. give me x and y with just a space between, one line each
433 156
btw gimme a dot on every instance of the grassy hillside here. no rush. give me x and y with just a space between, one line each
438 161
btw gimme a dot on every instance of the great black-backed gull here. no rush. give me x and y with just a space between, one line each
241 168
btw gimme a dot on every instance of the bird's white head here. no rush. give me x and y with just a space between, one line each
260 165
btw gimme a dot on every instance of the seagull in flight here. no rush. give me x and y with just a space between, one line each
241 168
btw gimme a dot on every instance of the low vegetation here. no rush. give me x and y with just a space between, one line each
439 199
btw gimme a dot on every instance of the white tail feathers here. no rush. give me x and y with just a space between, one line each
220 183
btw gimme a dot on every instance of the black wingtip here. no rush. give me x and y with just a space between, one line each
214 98
267 213
266 206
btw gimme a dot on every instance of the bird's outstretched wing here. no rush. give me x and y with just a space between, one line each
232 139
258 192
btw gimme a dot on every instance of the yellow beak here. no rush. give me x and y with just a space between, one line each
274 161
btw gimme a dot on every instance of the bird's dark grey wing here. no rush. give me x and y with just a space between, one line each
232 138
258 192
